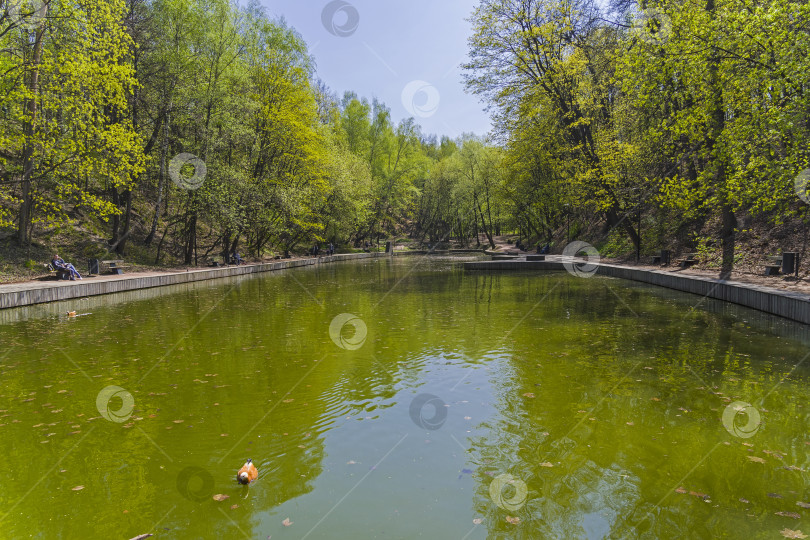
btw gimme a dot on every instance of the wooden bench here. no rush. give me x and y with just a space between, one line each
773 266
535 257
114 266
59 273
689 259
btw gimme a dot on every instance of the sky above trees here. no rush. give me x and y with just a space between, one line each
392 45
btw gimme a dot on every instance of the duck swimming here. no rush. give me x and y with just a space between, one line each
248 473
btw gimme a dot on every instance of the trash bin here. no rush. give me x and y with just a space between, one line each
388 247
92 266
789 262
665 256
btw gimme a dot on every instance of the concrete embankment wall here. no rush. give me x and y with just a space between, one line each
793 306
26 294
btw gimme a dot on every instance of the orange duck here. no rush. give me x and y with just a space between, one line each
248 473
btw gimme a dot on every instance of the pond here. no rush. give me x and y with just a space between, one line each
403 398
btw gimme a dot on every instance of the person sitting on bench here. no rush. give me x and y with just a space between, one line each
57 262
236 259
545 249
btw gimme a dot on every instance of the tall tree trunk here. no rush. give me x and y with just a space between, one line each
122 240
164 148
728 232
116 221
24 230
484 225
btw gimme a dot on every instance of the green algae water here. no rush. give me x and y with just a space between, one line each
403 398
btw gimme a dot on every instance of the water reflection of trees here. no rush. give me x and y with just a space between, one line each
613 451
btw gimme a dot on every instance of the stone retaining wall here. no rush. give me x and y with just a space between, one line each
790 305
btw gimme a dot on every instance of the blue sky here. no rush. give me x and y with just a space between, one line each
406 54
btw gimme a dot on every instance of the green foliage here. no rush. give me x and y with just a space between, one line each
697 108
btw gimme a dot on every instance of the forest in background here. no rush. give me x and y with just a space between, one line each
173 131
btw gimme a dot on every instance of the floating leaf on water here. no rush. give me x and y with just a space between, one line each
788 533
221 497
178 421
745 501
477 521
286 522
234 506
680 490
290 400
528 395
793 515
777 455
803 504
756 459
512 520
546 464
774 496
655 399
77 488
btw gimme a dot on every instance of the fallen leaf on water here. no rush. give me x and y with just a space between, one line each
788 533
220 497
803 504
755 458
142 536
78 488
477 521
774 496
746 501
630 424
234 506
546 464
681 490
793 515
655 399
288 400
528 395
351 462
512 520
286 522
178 421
